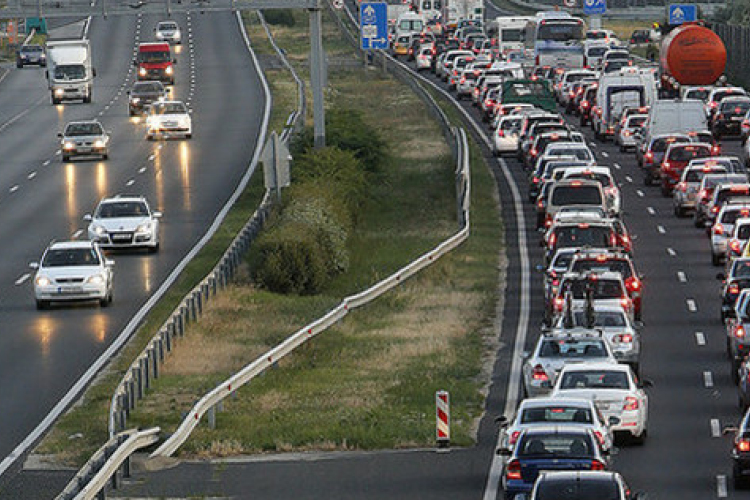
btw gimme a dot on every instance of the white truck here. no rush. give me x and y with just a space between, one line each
70 73
617 91
456 10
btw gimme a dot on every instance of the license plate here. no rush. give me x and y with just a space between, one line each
121 237
69 289
170 124
737 118
83 150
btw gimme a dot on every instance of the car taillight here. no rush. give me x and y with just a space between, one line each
533 152
623 338
682 186
649 156
552 240
743 445
597 465
735 246
633 284
631 403
626 133
539 374
715 150
462 80
535 180
734 289
513 470
600 437
739 332
703 194
625 302
500 133
715 209
666 166
513 437
584 104
718 229
559 303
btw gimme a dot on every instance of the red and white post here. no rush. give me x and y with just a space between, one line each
443 420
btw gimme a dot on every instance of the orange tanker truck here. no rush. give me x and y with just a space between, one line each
690 55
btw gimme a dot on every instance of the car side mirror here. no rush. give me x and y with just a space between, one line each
59 134
730 429
34 265
502 420
157 215
612 421
87 217
503 452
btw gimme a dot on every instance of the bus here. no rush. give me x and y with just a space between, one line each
556 39
508 31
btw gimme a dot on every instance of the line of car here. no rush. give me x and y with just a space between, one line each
80 271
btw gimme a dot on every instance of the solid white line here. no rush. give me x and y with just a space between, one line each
681 276
708 380
700 338
651 210
661 229
23 279
628 178
715 428
671 252
721 486
691 305
639 193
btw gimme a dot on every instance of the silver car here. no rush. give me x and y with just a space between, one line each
84 138
723 228
552 352
505 137
124 222
685 194
168 31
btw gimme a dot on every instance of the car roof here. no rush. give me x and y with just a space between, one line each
552 401
79 122
57 245
556 429
118 197
585 366
600 275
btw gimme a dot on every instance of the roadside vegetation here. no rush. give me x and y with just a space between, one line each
370 381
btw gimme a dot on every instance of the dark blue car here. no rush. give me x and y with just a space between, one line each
556 447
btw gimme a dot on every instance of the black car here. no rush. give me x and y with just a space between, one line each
640 36
581 485
741 452
730 293
143 94
31 54
729 115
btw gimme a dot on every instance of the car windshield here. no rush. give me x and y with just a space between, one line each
596 265
572 348
581 235
147 88
577 195
636 121
701 94
168 108
122 209
577 490
594 379
155 56
70 72
64 257
555 414
601 289
735 108
79 129
602 319
557 445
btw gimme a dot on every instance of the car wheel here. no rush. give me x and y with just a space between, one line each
679 211
106 301
188 136
131 112
105 156
639 440
636 368
149 137
697 222
19 65
42 304
66 157
153 249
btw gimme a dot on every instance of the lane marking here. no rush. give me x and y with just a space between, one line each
617 166
141 170
629 179
23 279
691 305
605 154
721 486
31 175
151 158
715 428
661 229
708 380
681 277
14 189
671 252
700 339
130 182
46 162
77 234
651 210
640 193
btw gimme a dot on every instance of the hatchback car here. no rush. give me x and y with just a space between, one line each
31 54
676 158
73 271
723 228
740 453
581 485
167 119
84 138
143 94
505 138
549 448
625 132
124 222
650 153
729 115
168 31
685 193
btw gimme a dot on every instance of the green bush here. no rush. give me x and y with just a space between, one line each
334 171
279 17
347 129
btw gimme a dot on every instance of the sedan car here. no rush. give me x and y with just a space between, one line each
167 119
73 271
124 222
549 448
740 453
614 389
31 54
581 485
84 138
168 31
143 94
723 228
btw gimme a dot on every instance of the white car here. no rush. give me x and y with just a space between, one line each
124 222
625 137
614 390
535 412
84 138
722 229
424 58
505 137
168 31
168 118
73 271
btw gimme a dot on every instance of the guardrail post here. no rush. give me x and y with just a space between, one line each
146 370
180 325
220 406
139 382
212 417
126 468
160 344
115 484
199 301
101 495
131 392
155 361
170 335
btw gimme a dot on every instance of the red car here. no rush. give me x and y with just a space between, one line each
676 158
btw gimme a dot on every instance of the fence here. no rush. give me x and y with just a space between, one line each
737 40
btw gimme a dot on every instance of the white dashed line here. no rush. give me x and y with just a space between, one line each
671 252
691 305
77 234
651 210
141 170
31 175
700 339
14 189
151 158
639 193
721 486
130 182
661 229
617 166
23 279
46 162
605 154
592 144
708 380
681 277
715 428
628 178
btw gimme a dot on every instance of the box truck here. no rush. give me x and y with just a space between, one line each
70 73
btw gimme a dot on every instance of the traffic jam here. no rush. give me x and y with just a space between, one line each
537 82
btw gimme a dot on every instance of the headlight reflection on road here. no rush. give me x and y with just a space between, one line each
44 328
101 179
147 275
70 189
185 171
99 326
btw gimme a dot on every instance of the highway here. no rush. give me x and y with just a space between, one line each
43 354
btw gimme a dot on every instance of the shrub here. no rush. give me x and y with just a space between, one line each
280 17
333 170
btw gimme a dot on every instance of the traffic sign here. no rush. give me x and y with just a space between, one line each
682 13
594 7
373 22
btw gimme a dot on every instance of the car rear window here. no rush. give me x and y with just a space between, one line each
557 414
599 379
602 319
577 490
743 232
601 289
557 444
697 175
687 153
661 145
617 265
583 235
576 195
602 179
731 215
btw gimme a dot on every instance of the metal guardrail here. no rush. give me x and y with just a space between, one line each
213 400
104 464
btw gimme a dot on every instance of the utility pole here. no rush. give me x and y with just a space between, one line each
317 75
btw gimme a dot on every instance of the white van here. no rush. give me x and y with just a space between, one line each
409 23
617 91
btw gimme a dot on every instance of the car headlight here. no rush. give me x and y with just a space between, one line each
142 71
59 92
169 70
99 143
99 230
96 279
43 281
69 145
143 228
135 100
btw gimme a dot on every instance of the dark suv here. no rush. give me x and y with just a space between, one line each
143 94
581 485
31 54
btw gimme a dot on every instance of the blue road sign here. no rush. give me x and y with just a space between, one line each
594 7
373 22
682 13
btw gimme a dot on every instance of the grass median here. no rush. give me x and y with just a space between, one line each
368 382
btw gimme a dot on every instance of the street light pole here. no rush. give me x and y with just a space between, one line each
317 75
